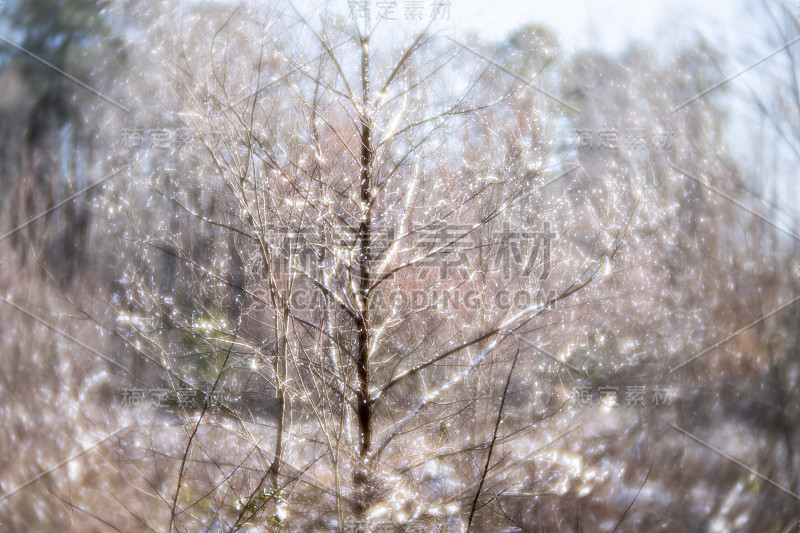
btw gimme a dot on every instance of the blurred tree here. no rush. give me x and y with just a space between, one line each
49 147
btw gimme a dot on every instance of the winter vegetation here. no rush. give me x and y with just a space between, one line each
266 268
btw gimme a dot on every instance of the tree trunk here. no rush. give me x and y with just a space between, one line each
362 476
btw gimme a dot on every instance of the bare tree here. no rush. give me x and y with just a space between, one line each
371 277
383 205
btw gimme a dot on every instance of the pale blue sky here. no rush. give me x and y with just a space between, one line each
606 25
599 25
